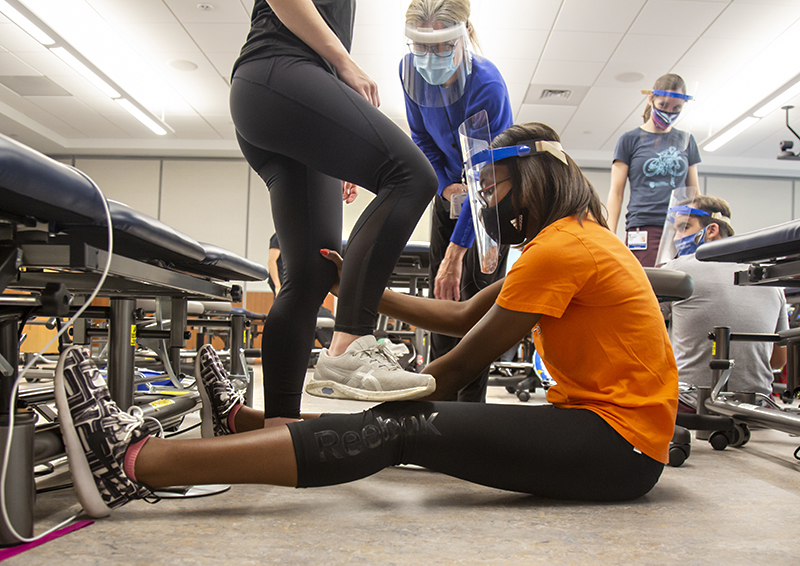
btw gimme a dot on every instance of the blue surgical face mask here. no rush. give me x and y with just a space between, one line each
663 120
689 244
434 69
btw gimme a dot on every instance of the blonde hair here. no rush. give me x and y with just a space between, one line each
446 12
671 82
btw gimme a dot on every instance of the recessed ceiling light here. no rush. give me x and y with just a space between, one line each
630 77
182 65
205 7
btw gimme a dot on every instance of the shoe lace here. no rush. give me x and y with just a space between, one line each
383 356
236 397
135 418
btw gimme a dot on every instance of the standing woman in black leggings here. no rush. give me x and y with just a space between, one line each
306 119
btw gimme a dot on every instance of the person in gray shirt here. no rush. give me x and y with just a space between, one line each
716 301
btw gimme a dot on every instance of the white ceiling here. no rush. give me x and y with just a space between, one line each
732 53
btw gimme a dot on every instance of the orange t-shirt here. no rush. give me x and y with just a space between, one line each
601 336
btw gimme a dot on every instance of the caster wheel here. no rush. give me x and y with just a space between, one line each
523 396
741 435
718 440
677 456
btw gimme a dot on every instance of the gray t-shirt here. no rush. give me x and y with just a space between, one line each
657 165
716 301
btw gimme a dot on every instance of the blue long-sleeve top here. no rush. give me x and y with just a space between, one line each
435 131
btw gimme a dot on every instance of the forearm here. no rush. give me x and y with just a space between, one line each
439 316
619 176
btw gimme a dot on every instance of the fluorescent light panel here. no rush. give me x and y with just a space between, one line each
23 22
779 100
56 46
85 71
728 135
141 116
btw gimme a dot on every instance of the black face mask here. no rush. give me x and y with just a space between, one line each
509 234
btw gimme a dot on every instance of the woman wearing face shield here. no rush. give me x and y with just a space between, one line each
656 158
444 83
604 436
306 120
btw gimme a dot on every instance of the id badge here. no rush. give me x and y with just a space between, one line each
637 240
456 202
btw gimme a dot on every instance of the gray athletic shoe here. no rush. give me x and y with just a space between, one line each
96 435
216 392
367 371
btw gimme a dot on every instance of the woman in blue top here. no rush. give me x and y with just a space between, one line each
444 83
656 159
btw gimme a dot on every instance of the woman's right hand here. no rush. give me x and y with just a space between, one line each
354 76
337 260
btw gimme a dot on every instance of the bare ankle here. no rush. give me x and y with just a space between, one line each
340 342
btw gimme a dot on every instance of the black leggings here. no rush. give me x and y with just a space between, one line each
301 129
542 450
472 281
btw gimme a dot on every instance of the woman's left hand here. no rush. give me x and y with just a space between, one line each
337 260
349 192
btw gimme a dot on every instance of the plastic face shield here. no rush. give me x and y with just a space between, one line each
482 182
435 68
682 221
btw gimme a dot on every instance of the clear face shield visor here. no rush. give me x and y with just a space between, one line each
436 66
685 226
493 217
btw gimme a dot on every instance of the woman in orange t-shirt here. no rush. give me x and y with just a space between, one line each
604 437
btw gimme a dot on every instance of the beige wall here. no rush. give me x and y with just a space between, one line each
222 201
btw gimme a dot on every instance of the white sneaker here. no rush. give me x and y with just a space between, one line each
367 371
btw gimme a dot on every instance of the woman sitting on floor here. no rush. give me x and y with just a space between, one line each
596 323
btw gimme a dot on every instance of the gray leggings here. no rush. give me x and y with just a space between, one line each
301 129
542 450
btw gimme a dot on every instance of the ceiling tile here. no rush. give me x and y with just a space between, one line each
581 46
37 115
223 62
79 116
762 22
506 43
14 39
193 127
11 65
155 37
556 117
657 53
223 11
516 70
590 15
222 124
581 73
676 17
138 11
219 37
527 14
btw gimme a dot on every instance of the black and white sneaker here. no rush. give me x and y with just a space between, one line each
96 435
218 395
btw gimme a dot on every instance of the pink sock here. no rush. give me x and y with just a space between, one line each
232 418
130 458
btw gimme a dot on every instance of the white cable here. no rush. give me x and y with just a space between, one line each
12 403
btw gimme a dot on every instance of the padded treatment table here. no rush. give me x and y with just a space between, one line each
774 253
53 239
774 257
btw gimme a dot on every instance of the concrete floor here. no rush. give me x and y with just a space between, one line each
739 506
